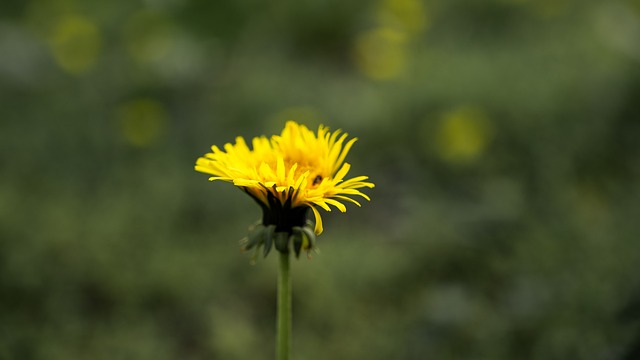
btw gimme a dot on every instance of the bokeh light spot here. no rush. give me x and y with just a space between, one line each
463 135
75 43
142 121
619 27
381 53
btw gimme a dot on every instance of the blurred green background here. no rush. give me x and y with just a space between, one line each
502 135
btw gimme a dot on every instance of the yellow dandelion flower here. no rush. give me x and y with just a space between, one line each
289 174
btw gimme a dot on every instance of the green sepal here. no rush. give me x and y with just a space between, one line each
255 237
243 243
296 239
282 242
268 239
254 255
310 236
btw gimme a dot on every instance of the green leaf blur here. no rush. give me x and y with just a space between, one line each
503 137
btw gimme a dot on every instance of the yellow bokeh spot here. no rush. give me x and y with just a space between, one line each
142 121
590 205
75 43
409 15
381 54
148 36
463 135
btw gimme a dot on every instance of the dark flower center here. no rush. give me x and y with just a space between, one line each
283 216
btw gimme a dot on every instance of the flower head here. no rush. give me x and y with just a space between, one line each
289 173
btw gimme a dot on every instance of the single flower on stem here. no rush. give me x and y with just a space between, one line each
288 175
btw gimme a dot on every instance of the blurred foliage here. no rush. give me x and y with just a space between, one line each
502 136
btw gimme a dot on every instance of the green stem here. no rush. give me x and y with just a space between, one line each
283 348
